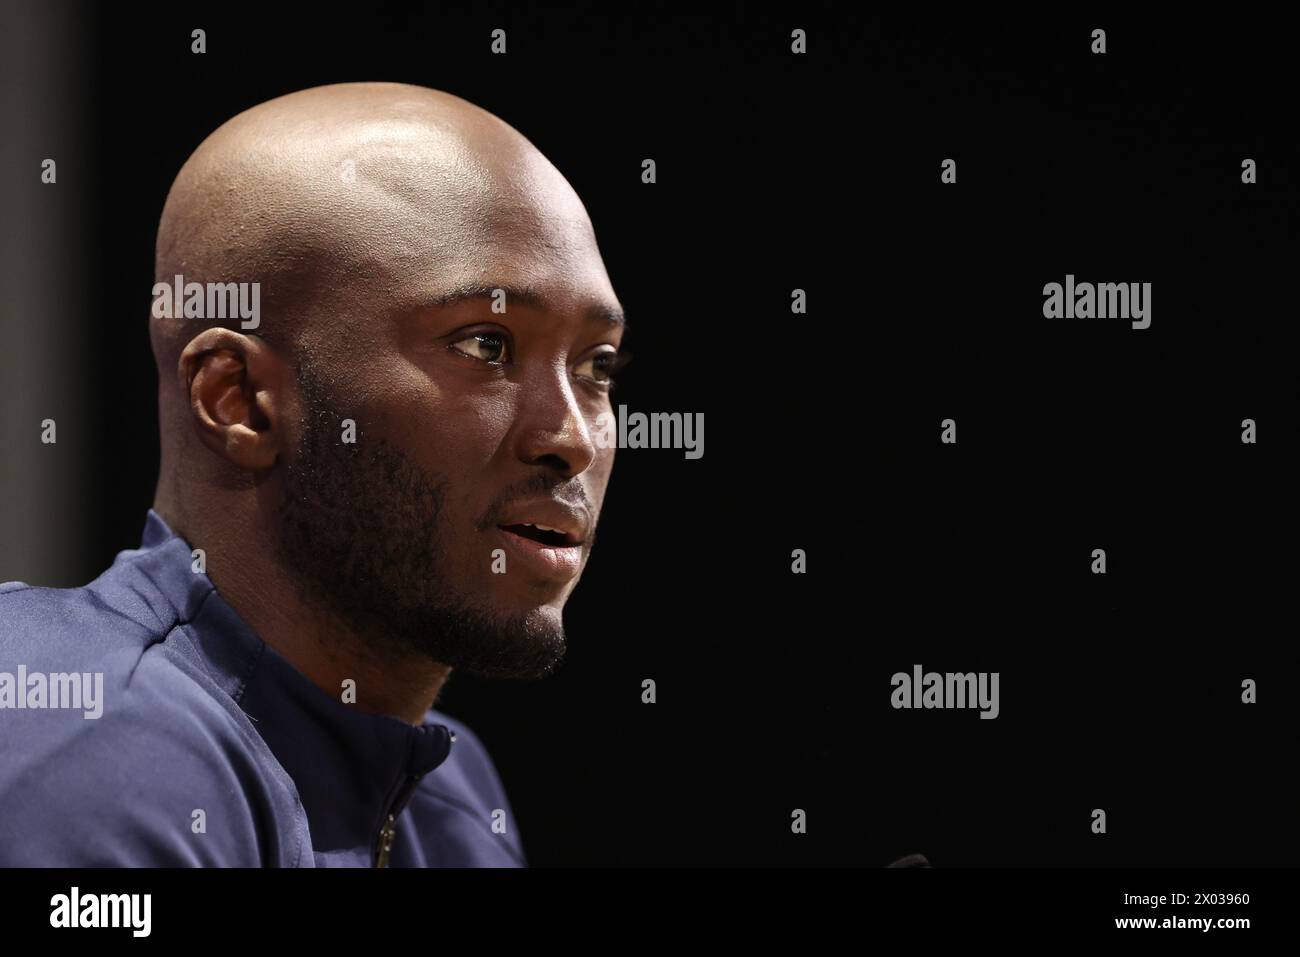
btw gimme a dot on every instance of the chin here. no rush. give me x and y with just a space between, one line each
536 601
548 618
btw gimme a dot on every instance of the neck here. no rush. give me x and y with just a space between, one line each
331 654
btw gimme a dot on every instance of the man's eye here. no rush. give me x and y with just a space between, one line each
599 367
488 346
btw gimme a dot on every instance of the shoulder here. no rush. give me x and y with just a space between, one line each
469 756
84 625
468 786
118 750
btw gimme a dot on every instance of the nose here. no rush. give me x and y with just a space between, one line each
551 429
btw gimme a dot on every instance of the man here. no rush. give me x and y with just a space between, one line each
386 470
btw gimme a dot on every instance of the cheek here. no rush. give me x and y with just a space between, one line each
449 431
457 439
601 470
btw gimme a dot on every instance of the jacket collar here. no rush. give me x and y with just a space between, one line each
351 769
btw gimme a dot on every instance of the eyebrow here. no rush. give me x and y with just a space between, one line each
526 295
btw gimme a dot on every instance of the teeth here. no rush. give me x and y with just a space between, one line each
543 527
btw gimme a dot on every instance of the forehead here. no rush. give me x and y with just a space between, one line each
575 304
438 213
546 266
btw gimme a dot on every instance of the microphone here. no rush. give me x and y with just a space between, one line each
911 860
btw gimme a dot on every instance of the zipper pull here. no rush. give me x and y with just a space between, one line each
389 830
386 835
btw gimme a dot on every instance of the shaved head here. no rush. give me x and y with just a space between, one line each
377 220
303 191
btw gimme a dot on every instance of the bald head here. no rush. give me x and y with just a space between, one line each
355 188
402 446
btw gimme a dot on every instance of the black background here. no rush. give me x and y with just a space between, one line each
821 172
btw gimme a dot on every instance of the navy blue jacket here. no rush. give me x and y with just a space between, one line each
210 749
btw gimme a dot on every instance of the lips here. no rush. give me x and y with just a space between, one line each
547 522
540 533
546 536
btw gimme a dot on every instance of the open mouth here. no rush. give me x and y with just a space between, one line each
552 537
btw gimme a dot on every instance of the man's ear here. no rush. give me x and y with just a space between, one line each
234 386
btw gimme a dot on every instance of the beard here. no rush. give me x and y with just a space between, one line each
361 528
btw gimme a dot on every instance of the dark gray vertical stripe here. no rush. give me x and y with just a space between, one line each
43 263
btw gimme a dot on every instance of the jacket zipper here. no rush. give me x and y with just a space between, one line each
386 835
388 832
